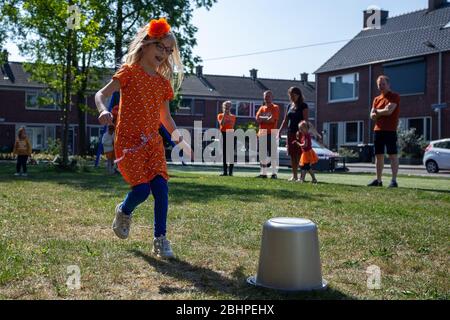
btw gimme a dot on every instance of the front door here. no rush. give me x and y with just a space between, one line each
333 136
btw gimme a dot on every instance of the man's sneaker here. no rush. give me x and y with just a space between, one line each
263 176
393 184
24 175
162 248
121 223
17 174
292 179
375 183
274 176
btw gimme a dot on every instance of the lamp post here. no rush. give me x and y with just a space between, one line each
431 45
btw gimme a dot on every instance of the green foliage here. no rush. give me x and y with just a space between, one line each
347 153
247 126
411 144
53 146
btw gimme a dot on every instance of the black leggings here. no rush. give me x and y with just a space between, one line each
22 162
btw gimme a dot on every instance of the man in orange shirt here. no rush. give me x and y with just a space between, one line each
385 112
267 118
226 122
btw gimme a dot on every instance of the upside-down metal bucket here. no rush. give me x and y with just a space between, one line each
289 258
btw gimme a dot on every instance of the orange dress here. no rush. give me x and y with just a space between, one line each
308 156
138 146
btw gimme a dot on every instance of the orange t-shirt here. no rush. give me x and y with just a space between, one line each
137 139
228 123
387 123
273 110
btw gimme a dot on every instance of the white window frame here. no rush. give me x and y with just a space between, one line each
360 132
252 110
37 93
178 113
355 93
404 124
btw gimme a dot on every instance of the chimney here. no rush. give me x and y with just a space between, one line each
435 4
199 71
371 17
254 74
5 67
304 77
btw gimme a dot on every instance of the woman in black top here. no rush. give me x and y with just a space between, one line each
297 112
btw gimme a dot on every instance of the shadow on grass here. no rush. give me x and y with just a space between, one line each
205 192
213 283
180 188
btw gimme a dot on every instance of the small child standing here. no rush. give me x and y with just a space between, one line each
108 148
145 88
22 147
309 156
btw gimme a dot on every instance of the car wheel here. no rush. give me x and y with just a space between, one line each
432 166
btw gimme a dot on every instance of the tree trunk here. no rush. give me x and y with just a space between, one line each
118 35
68 99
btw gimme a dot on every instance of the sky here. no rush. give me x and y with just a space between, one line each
235 27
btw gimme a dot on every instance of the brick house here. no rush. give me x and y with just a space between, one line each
414 51
19 107
202 97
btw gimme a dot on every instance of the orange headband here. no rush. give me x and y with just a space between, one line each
158 28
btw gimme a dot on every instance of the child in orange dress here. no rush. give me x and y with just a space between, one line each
309 156
145 88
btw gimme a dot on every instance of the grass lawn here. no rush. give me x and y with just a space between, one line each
52 220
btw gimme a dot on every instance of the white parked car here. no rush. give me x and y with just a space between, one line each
437 156
322 152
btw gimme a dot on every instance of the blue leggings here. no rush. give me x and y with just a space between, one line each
138 194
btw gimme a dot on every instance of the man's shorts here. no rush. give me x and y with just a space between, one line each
386 139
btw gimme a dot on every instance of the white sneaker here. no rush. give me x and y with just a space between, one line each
292 179
162 248
24 175
121 223
16 174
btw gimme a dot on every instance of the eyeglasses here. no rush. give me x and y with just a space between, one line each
162 48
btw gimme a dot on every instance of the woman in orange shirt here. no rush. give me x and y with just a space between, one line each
145 88
226 122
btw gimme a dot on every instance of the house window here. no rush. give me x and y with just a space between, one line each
354 132
245 109
344 87
94 134
185 106
37 100
35 136
407 76
422 126
256 107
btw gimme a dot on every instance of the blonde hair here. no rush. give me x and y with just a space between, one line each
21 131
169 68
225 104
304 124
386 78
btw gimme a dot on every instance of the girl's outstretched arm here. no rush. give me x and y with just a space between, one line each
101 98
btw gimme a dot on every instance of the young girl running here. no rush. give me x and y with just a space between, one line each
145 88
309 156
